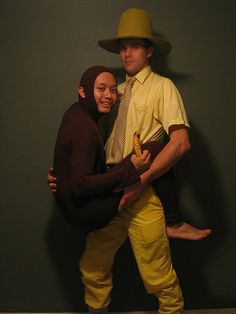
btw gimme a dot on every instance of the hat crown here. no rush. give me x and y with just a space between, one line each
135 23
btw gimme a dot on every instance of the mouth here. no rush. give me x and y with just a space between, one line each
107 104
127 62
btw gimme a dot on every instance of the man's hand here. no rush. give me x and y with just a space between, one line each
51 179
131 194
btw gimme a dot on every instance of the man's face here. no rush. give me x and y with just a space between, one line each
105 91
134 55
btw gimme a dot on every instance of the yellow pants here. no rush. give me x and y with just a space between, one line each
144 223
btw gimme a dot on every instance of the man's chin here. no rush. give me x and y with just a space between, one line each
130 71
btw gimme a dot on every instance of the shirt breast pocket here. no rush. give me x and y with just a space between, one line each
137 116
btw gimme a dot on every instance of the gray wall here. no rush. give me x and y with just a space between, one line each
45 47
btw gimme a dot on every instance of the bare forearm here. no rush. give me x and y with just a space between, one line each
177 146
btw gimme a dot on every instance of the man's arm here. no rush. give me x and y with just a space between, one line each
178 145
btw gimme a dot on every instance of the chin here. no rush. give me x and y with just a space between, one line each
105 110
131 72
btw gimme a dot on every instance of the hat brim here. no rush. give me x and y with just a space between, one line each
161 46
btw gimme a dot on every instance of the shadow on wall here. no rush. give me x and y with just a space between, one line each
198 171
65 246
190 258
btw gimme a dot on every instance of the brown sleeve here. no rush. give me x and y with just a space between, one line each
85 152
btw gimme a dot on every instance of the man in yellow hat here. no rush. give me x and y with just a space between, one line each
154 109
135 43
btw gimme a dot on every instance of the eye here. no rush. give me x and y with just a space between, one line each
101 89
114 90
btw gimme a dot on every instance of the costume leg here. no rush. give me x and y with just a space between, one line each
146 229
165 188
96 263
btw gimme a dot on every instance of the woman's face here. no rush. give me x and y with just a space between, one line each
105 91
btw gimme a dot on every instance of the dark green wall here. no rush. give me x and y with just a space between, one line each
45 47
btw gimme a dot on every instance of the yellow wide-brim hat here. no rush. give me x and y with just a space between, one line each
135 23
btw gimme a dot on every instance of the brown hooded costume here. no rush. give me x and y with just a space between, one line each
85 189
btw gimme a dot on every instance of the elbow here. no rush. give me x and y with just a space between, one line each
186 147
180 138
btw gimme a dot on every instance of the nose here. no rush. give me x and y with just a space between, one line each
128 51
107 93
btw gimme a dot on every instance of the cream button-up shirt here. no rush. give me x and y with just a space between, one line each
155 105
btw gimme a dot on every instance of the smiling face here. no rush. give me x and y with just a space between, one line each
134 55
105 91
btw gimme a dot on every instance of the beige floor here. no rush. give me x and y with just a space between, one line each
203 311
211 311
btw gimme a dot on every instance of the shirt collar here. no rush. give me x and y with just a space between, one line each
142 75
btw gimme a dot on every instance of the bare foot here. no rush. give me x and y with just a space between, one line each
187 232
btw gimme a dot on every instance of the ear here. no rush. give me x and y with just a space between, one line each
149 51
80 91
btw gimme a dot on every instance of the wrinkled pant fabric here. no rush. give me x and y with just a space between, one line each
144 223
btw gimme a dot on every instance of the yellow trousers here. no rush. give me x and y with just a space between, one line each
144 223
